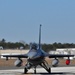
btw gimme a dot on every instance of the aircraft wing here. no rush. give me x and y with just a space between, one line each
59 55
16 56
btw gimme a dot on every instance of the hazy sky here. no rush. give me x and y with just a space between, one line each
20 20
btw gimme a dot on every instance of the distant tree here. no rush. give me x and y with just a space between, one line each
3 40
24 45
47 47
23 42
55 45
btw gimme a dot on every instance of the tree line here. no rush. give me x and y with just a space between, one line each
23 45
13 45
54 46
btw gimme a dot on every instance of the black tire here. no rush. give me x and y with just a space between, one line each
49 70
25 70
34 71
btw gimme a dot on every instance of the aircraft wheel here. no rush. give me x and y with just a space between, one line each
25 70
34 71
49 70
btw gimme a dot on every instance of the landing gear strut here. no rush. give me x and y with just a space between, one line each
27 66
46 66
43 64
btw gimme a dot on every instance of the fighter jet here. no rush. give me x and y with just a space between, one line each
36 56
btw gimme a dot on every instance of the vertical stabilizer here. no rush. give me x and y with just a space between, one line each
40 36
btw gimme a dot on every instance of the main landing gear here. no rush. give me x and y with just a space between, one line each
46 66
26 70
43 64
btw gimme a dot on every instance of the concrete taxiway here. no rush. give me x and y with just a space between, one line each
41 71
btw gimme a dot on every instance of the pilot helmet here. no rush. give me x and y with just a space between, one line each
34 46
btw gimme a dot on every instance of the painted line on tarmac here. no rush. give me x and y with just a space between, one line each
39 70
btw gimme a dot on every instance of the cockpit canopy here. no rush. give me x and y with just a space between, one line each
34 51
33 46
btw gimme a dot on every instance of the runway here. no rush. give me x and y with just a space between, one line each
41 71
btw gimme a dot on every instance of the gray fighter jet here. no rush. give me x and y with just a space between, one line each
36 56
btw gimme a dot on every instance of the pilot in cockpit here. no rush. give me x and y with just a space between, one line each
34 46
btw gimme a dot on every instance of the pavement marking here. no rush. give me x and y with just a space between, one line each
66 70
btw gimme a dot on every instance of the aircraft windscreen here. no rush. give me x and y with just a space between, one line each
33 50
34 46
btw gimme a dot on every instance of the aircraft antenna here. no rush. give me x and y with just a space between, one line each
40 36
